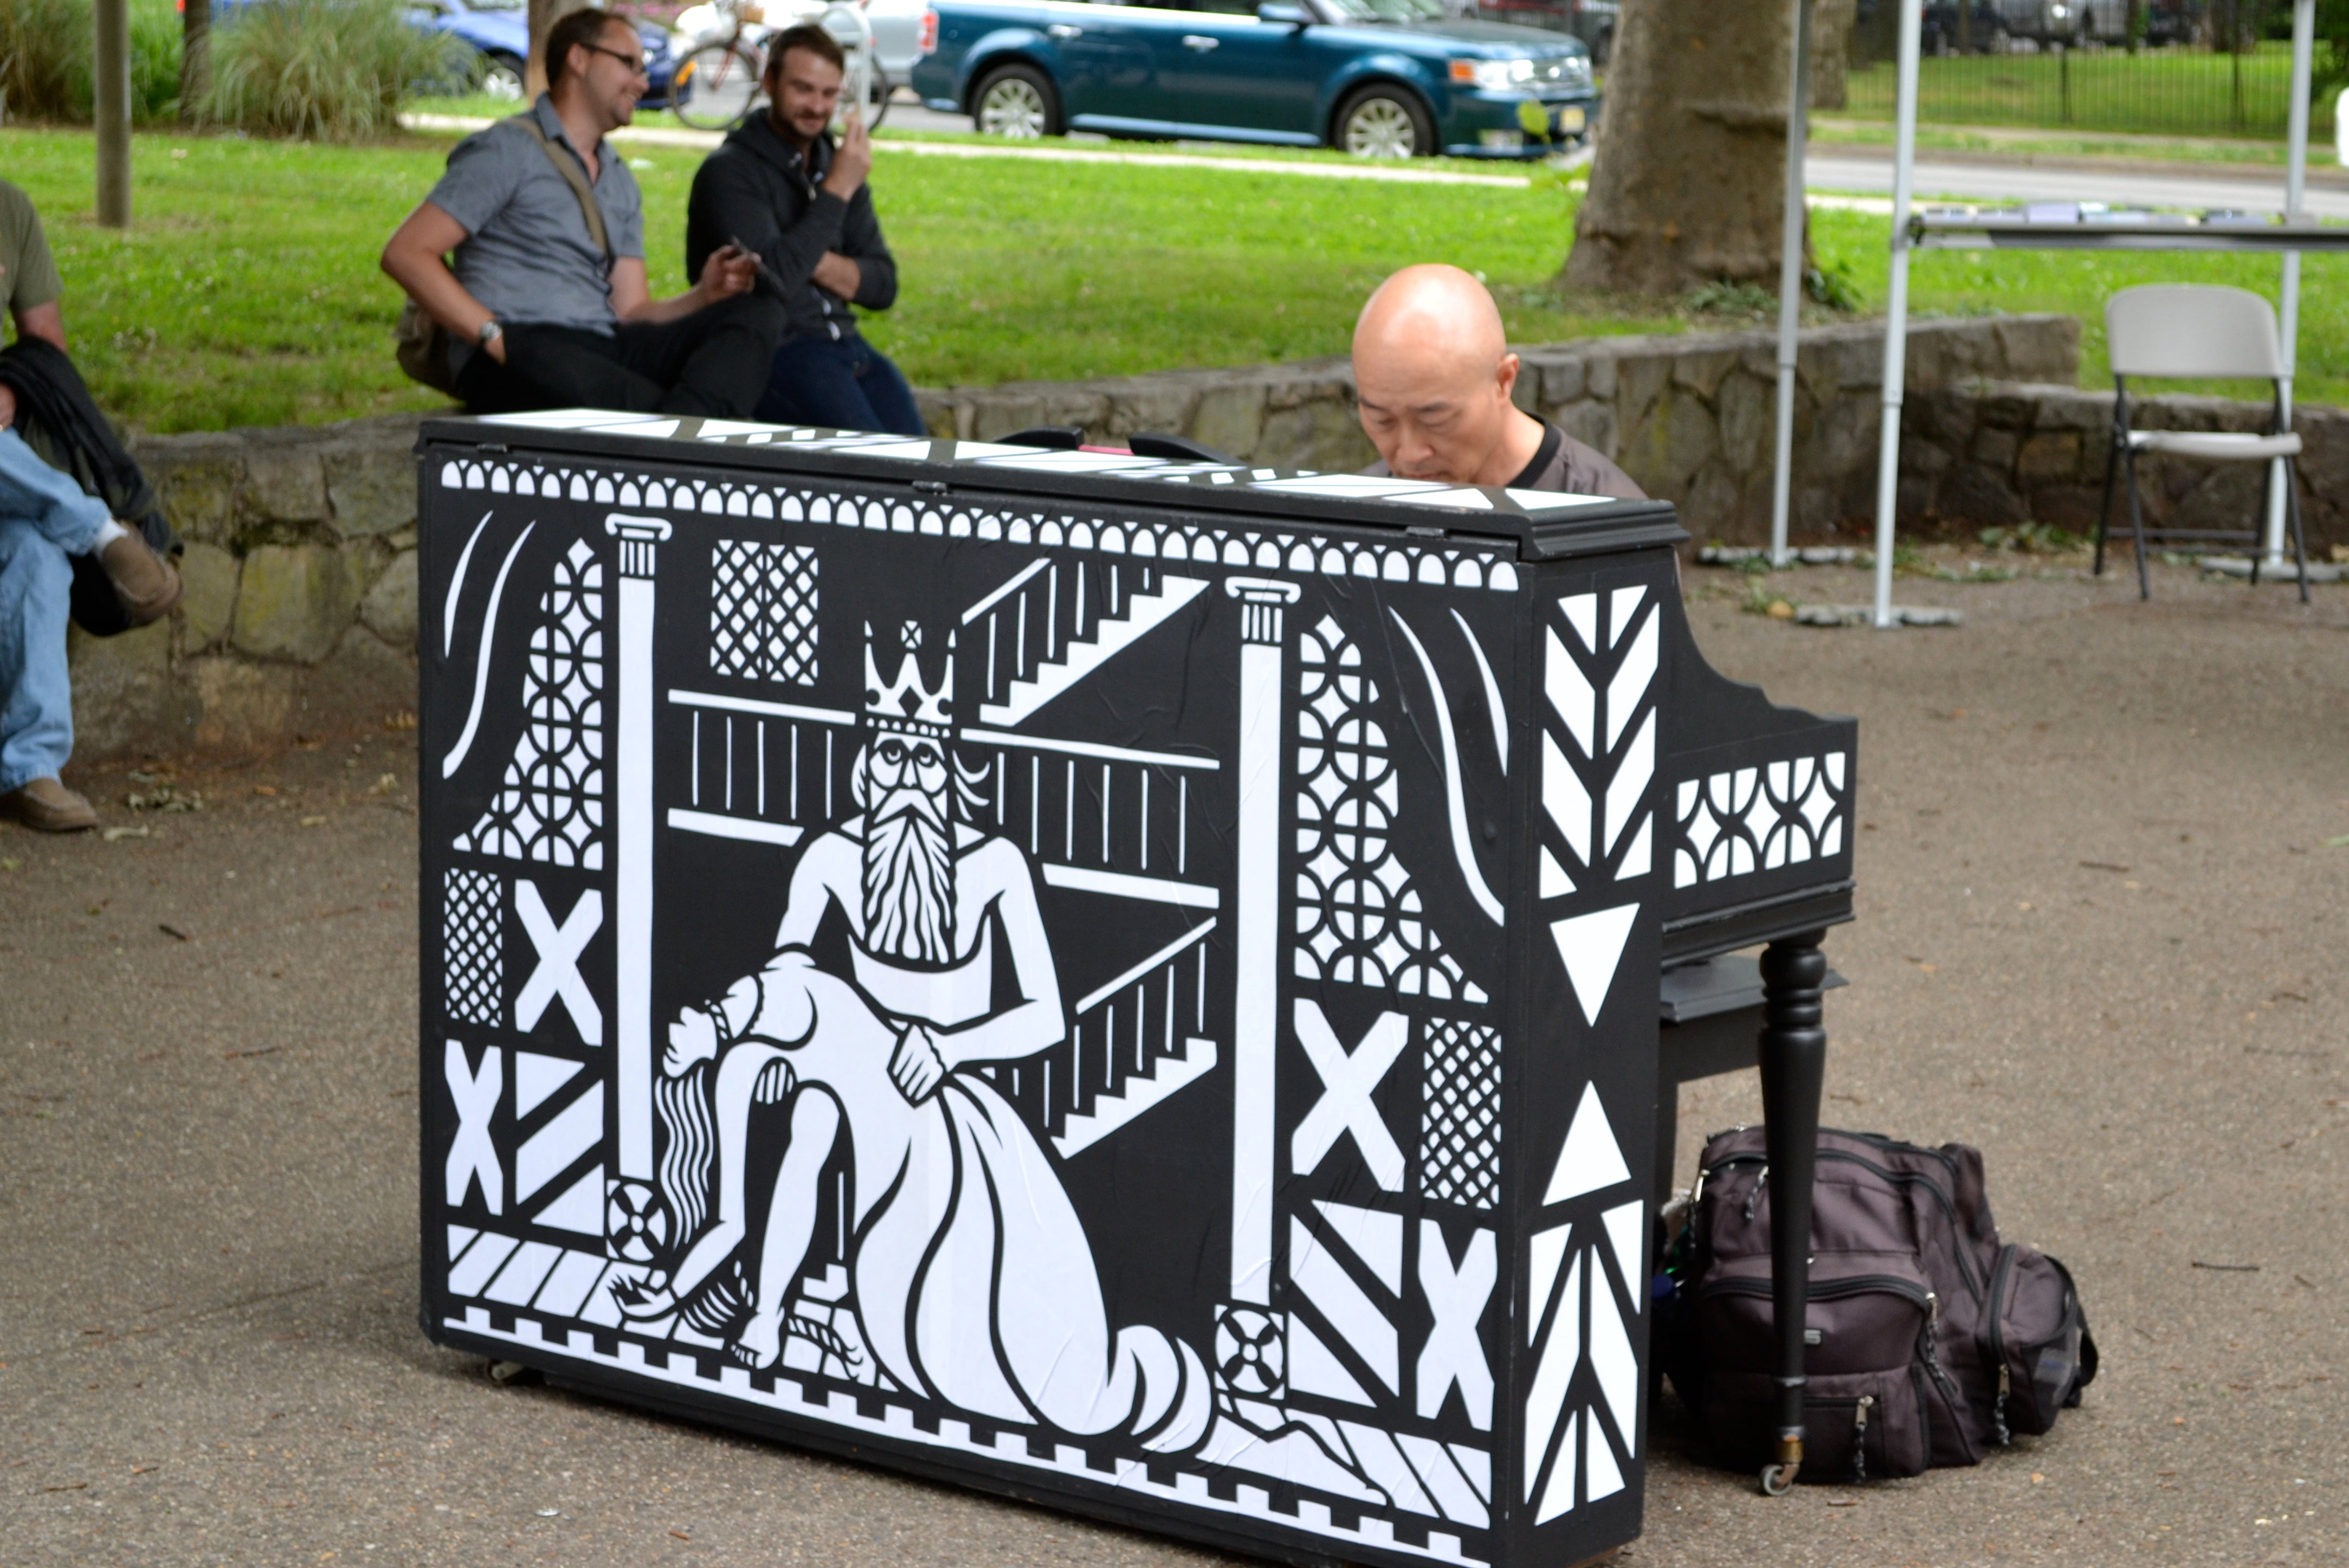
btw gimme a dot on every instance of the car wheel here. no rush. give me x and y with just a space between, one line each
502 77
1384 122
1018 102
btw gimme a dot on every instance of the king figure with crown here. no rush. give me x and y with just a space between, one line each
970 1273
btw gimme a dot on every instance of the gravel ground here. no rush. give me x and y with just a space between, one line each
2101 935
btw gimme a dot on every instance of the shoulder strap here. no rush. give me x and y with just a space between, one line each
573 176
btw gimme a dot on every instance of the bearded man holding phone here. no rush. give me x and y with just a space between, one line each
785 188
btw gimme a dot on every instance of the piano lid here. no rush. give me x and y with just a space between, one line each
1543 525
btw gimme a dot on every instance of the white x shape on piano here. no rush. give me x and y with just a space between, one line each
1345 1105
472 1154
1456 1297
557 972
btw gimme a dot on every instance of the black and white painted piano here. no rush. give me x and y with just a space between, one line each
1133 984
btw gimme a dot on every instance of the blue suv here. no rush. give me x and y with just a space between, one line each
1380 78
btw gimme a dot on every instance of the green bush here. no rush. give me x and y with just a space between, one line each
326 70
46 70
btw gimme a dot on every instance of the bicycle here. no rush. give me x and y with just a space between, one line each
719 83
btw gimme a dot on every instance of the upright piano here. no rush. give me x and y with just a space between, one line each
1149 986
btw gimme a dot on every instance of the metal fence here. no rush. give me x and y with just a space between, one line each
2170 67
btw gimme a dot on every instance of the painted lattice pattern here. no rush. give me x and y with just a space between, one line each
472 929
1400 560
762 607
550 806
1760 819
1460 1125
1359 918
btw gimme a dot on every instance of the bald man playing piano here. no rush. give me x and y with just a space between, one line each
1433 376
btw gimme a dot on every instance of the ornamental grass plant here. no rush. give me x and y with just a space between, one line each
325 70
48 70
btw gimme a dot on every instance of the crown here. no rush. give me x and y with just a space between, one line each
905 703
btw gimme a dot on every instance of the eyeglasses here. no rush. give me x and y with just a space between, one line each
635 63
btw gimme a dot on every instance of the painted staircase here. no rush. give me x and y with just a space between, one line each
1082 655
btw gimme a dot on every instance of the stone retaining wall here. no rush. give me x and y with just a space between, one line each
301 565
1692 417
300 614
1989 453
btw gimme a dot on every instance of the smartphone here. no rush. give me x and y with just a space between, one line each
769 278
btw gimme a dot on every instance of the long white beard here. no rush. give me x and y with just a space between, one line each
909 878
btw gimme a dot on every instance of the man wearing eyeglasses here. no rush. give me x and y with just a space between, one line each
547 306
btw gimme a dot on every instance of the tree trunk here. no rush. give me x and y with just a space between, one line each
1831 25
195 61
111 100
544 14
1688 185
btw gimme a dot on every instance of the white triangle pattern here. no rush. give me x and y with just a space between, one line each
1557 1497
1589 1159
1626 1226
1585 1463
1619 773
1549 1252
1547 1397
1591 946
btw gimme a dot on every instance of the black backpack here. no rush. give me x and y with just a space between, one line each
1929 1338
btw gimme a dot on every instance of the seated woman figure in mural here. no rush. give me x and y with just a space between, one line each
971 1273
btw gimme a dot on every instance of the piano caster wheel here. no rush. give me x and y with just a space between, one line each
512 1374
1777 1480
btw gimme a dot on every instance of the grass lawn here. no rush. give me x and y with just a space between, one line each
2169 91
248 294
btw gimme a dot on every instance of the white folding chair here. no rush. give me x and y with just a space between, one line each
2187 331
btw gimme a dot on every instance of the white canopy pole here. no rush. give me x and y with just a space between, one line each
1896 307
1790 282
2296 191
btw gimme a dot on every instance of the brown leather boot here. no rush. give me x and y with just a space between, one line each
46 805
148 585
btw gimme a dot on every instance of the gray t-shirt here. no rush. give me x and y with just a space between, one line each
1566 466
527 253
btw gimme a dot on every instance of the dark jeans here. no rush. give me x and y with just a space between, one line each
838 385
712 363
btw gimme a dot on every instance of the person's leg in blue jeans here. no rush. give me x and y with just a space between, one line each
839 385
45 519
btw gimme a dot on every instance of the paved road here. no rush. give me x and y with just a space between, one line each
2101 935
2016 182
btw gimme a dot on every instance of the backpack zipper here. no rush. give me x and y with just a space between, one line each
1933 1355
1860 1436
1832 1289
1998 1346
1949 1205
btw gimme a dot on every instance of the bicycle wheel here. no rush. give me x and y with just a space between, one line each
716 87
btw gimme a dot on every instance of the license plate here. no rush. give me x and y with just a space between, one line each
1570 121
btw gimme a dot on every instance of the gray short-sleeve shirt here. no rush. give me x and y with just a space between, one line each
528 255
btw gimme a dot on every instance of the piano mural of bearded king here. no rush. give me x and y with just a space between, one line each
969 1273
1128 981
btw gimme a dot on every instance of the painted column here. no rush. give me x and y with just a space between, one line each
631 764
1257 945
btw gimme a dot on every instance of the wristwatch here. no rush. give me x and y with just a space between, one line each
491 332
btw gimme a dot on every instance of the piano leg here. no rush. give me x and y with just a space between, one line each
1794 1050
